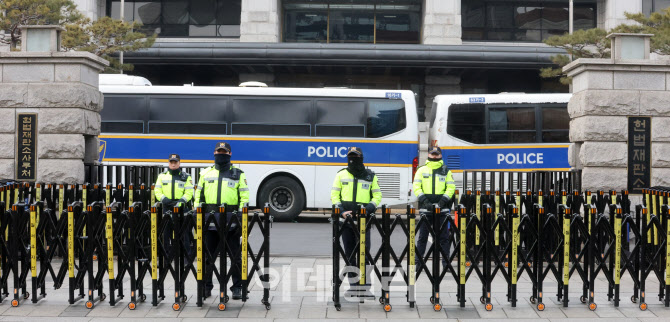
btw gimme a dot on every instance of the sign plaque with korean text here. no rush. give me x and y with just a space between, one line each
26 146
639 153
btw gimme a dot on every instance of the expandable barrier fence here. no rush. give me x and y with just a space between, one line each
123 235
113 238
564 239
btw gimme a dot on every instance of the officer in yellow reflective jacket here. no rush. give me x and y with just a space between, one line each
223 184
433 185
173 185
353 187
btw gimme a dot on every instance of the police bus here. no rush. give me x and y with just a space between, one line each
289 141
501 132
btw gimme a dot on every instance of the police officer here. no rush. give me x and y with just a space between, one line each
174 186
433 185
355 186
223 184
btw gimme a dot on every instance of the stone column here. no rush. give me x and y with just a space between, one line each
259 21
606 93
441 22
62 88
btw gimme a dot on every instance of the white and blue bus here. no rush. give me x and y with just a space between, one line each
501 132
289 141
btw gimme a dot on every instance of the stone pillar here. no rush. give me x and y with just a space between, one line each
441 22
611 13
439 85
62 88
259 21
606 93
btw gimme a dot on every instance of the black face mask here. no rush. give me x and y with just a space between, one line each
222 159
356 166
175 172
435 159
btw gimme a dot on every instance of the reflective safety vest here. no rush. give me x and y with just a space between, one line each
174 186
434 180
345 186
227 186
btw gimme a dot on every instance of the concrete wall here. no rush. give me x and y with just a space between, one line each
260 21
62 88
441 22
611 12
605 94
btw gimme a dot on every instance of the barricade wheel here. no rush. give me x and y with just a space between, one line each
532 300
643 306
481 299
176 306
131 305
268 306
582 298
143 297
222 307
468 264
387 308
540 307
432 300
15 303
338 307
381 299
26 295
633 299
89 305
506 264
437 307
184 298
489 306
593 306
104 296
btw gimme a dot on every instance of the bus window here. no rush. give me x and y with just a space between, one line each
187 128
466 122
263 116
385 117
340 118
186 109
192 115
512 125
123 114
555 125
122 127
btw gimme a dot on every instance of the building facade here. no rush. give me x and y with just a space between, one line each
428 46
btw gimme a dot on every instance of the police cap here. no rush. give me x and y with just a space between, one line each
222 146
434 149
174 157
355 151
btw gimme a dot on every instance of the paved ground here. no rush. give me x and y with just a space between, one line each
301 288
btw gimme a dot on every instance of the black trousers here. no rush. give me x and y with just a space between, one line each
212 240
350 237
422 238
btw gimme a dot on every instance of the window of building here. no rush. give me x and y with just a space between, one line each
649 6
379 21
529 21
182 18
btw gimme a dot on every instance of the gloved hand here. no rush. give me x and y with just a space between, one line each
182 200
370 208
168 204
444 201
423 200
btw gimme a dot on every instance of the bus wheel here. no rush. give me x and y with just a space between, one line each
285 197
